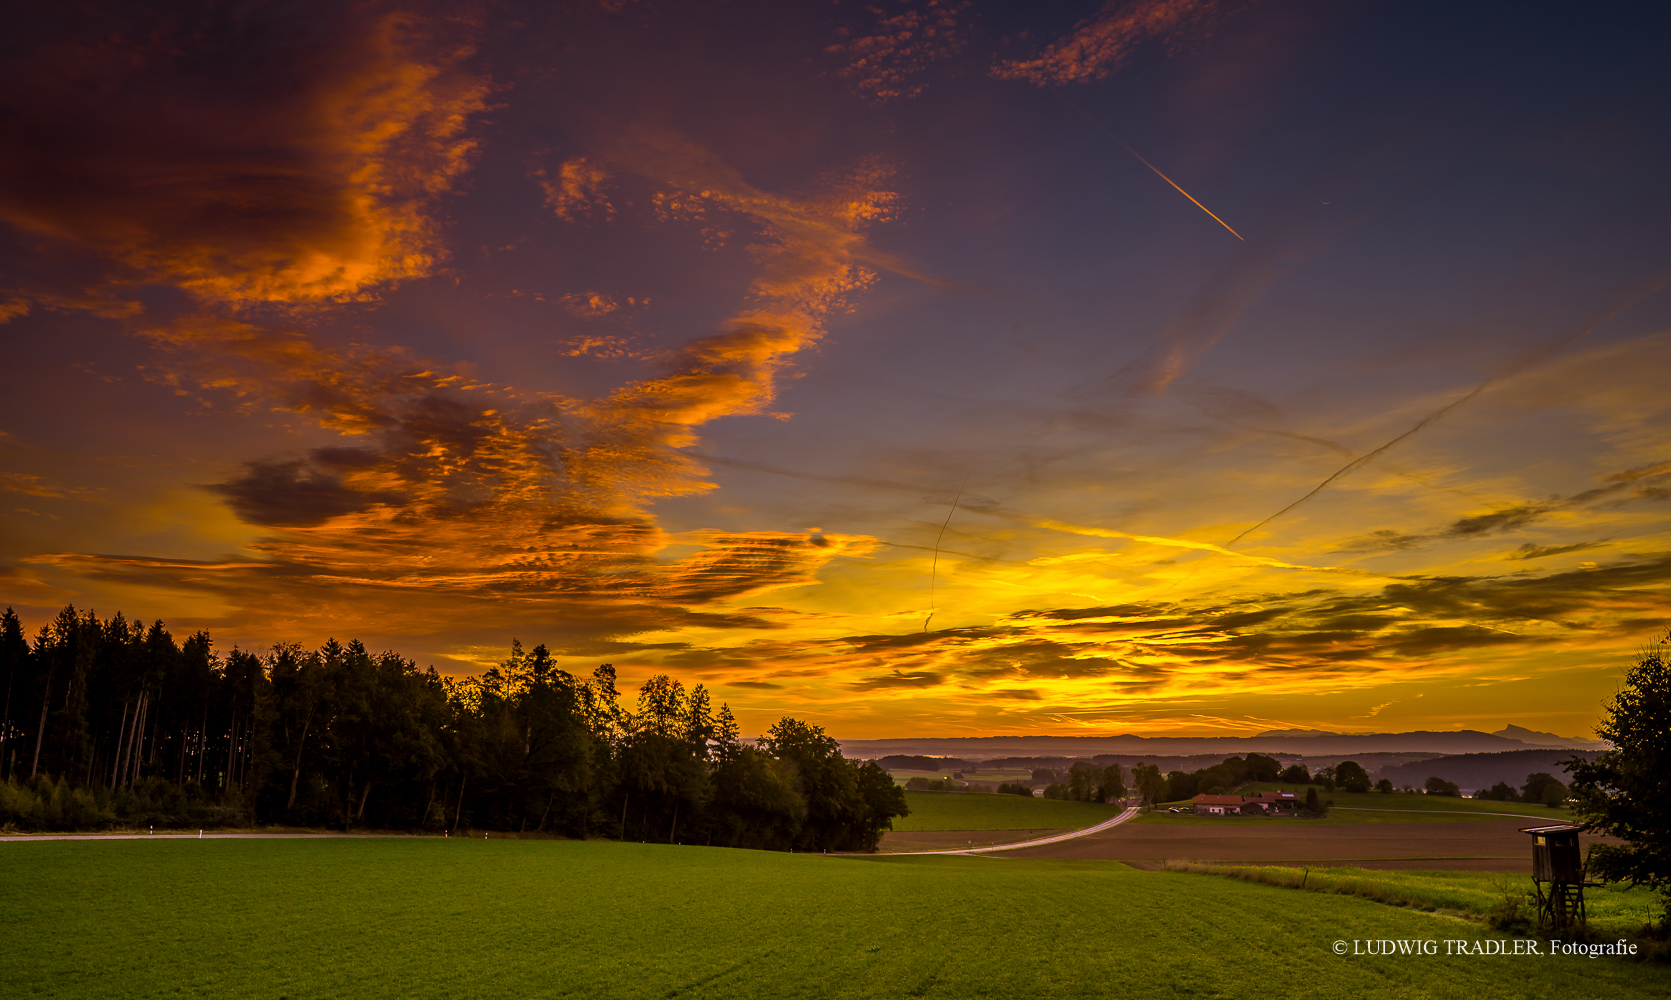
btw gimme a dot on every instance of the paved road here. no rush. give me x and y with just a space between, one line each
1040 842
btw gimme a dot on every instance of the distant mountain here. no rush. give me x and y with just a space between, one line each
1311 744
1532 737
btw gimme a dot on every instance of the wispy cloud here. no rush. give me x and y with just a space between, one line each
1102 45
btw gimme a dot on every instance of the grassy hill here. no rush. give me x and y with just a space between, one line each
369 919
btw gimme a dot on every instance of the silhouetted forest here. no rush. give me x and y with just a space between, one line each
114 723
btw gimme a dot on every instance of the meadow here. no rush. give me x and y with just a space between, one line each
1611 909
423 917
989 811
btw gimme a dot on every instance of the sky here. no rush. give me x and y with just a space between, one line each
935 368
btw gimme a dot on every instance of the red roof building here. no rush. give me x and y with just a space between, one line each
1263 804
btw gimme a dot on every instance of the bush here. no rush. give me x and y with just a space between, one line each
1384 786
48 804
1439 786
1509 912
1015 789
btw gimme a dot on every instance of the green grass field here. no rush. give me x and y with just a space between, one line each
990 811
362 919
1373 807
1611 909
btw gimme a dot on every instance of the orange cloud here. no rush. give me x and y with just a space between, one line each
590 304
813 259
1101 46
173 150
577 189
897 42
445 491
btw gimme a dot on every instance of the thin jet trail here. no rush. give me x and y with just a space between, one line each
934 568
1636 295
1108 132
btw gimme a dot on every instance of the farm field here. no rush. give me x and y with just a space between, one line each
1370 807
467 918
1485 846
990 811
1423 803
984 779
1336 817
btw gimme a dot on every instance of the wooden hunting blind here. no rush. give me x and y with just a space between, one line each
1558 875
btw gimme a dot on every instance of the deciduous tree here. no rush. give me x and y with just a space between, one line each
1625 792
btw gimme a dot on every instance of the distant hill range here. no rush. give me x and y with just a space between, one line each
1306 743
1482 770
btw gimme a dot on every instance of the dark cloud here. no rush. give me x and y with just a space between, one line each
249 153
1530 551
1073 614
899 679
1042 658
1496 522
295 495
1646 482
736 564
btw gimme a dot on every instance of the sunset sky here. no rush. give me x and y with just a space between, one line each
861 360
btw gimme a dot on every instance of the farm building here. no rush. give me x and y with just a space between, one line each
1218 805
1263 804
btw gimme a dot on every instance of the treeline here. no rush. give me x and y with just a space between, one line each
1220 778
1087 783
1540 787
108 722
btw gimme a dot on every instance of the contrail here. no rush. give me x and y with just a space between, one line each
1106 131
1181 543
934 567
1636 295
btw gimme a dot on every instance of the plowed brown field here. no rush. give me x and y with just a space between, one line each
1476 845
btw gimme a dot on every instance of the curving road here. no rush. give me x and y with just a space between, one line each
1105 825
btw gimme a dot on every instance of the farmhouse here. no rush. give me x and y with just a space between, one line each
1263 804
1218 805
